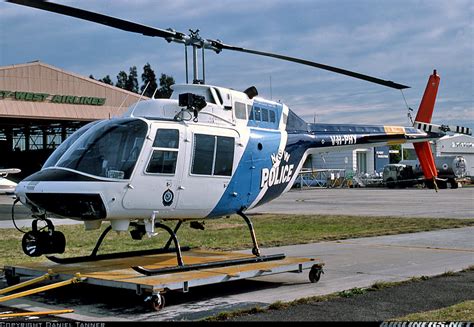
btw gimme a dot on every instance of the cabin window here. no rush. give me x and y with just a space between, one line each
257 114
213 155
272 116
240 110
165 152
264 114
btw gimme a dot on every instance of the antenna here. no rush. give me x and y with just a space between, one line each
141 95
186 63
123 101
271 90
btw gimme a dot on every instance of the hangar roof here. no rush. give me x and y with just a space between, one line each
40 91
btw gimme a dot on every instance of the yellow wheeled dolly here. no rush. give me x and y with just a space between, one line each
49 275
35 313
151 276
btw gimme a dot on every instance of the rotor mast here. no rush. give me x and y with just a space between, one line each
194 40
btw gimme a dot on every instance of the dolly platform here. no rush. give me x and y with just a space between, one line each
215 267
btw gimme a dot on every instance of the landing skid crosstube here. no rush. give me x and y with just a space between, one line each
181 266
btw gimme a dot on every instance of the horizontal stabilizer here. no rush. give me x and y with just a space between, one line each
432 128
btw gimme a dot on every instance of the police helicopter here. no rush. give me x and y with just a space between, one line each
207 152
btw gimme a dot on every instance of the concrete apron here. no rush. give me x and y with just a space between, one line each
349 263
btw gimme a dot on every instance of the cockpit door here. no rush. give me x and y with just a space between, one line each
155 182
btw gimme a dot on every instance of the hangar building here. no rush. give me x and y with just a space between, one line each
363 160
41 105
457 145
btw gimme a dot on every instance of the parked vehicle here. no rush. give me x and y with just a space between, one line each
409 173
399 175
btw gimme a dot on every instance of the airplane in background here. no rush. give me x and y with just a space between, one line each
7 186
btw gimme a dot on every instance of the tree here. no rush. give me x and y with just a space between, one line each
121 79
148 76
397 157
132 81
106 80
165 86
91 76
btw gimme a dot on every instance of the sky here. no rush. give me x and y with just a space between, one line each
402 41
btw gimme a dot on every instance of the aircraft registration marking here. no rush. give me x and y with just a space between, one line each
344 139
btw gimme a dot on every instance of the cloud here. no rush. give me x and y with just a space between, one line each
401 41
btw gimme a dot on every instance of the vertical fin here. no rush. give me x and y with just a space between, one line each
425 157
425 112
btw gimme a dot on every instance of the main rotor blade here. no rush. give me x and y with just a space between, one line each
179 37
372 79
98 18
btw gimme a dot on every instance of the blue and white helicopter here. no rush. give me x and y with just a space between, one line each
206 153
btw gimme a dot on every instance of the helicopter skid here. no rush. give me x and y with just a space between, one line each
109 256
207 265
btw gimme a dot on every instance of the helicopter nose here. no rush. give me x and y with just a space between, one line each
83 206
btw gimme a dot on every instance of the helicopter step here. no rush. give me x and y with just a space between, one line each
215 267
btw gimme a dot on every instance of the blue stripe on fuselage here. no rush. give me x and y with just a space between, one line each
296 146
244 186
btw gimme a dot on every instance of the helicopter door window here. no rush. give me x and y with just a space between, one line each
165 152
166 138
213 155
203 154
224 156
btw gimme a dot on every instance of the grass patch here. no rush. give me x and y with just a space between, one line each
463 311
232 233
352 292
229 315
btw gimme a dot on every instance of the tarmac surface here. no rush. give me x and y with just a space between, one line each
447 203
410 202
349 263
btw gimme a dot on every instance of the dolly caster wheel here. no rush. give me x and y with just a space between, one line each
156 302
315 273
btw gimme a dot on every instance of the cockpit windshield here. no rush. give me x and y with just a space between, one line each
110 149
57 154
